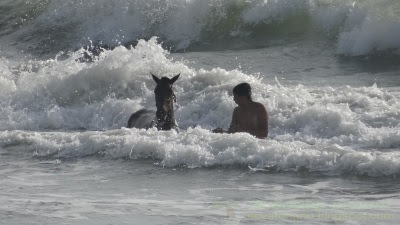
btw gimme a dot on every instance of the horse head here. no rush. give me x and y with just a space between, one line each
165 99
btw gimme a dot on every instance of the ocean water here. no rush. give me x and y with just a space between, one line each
73 71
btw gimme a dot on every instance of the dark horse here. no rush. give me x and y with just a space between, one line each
163 118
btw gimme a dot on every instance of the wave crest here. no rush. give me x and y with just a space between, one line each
356 27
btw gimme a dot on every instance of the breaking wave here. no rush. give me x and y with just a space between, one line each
68 109
353 27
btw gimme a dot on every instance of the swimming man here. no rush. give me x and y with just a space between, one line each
248 116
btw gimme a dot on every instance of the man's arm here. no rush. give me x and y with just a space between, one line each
235 123
234 127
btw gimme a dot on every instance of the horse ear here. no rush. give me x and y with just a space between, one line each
174 78
155 78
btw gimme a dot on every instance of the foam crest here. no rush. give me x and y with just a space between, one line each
199 148
70 93
369 37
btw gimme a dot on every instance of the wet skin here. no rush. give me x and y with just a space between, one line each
248 116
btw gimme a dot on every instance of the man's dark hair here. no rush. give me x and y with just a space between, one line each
243 89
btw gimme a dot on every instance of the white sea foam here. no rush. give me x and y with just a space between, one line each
200 148
370 36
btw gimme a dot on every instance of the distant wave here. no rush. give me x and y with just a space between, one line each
354 27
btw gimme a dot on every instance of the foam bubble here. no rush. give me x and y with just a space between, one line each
7 83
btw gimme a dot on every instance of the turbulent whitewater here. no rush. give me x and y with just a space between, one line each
73 71
56 103
65 108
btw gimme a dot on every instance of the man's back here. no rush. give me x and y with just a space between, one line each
249 116
252 119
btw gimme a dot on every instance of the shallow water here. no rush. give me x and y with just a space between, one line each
103 191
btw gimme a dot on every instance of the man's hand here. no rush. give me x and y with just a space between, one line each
218 130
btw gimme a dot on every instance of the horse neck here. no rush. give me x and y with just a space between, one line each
167 122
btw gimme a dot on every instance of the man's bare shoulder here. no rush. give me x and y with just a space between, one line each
236 112
259 106
236 109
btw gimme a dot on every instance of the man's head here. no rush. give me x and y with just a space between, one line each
243 89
